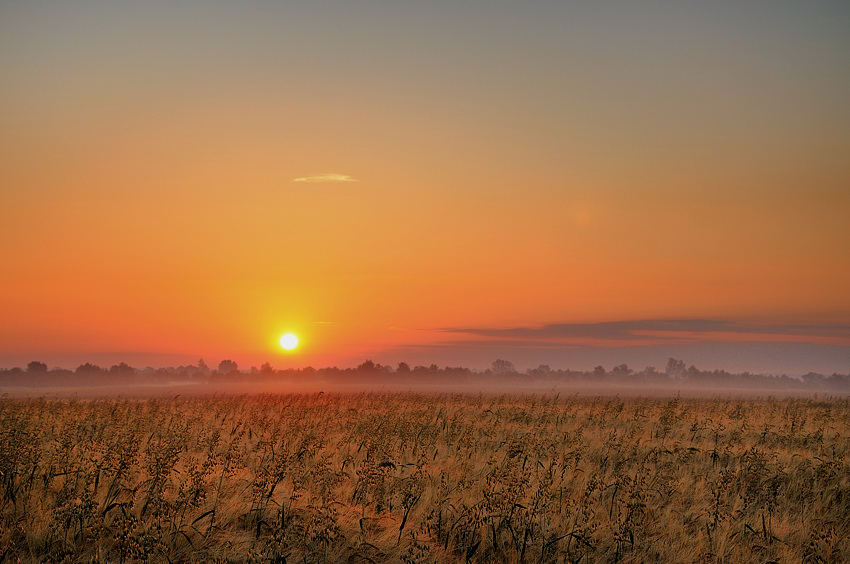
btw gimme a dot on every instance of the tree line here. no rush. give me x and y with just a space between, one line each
37 374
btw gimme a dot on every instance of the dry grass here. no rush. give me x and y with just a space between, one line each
419 478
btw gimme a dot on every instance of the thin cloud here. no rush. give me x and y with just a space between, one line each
328 177
643 332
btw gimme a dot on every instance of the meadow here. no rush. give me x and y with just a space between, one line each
406 477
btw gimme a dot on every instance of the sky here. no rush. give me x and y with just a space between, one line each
571 184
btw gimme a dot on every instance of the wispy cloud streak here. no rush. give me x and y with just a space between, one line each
644 332
326 177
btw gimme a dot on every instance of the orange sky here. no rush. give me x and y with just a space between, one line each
162 195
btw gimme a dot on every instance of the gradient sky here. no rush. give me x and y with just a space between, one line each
404 180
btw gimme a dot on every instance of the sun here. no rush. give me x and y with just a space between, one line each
289 341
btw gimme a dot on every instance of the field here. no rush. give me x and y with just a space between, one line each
404 477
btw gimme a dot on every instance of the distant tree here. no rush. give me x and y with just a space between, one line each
814 378
36 367
500 366
650 372
202 366
122 369
227 366
622 371
693 373
403 367
675 368
838 380
266 369
368 366
599 371
88 368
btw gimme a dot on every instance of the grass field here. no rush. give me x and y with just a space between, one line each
425 478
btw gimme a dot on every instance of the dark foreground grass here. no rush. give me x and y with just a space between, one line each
424 478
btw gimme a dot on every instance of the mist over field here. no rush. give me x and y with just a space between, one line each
501 377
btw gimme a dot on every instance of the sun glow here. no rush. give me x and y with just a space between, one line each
289 341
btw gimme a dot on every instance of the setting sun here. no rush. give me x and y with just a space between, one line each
289 341
572 193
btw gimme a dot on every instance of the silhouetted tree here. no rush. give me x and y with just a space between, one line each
36 367
622 371
500 366
693 373
838 380
122 369
541 371
88 368
813 377
367 366
403 367
227 366
675 368
650 373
